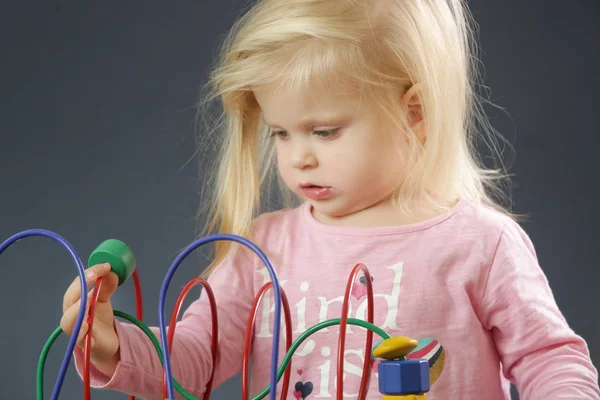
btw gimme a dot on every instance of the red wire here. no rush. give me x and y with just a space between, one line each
366 375
139 311
87 395
139 304
364 384
248 342
215 329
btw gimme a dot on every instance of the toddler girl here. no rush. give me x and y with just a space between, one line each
364 114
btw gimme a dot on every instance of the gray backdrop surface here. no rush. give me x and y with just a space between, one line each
97 127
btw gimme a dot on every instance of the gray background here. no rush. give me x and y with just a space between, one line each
97 128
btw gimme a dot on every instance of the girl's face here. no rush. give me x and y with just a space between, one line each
336 151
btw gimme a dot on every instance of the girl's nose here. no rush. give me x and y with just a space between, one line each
301 156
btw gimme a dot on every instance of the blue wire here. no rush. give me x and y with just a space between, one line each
82 307
163 295
161 312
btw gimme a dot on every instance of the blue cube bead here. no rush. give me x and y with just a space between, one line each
401 377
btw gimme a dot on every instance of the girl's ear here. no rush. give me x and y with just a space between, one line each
412 102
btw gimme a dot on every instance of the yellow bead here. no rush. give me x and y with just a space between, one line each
422 396
395 348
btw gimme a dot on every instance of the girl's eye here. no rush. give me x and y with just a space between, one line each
280 134
324 134
327 134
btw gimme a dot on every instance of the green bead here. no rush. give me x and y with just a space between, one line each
118 255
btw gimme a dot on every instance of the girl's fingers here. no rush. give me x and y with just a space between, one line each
109 285
82 332
69 317
73 292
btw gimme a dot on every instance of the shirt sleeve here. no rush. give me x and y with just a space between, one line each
539 352
139 371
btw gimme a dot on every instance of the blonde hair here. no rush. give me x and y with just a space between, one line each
383 47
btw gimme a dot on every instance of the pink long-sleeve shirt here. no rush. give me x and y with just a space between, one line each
468 278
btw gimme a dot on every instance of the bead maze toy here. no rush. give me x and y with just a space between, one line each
407 367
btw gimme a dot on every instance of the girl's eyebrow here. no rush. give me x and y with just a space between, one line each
310 123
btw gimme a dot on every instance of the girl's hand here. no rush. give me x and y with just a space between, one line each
104 354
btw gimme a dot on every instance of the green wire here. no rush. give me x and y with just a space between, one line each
177 386
312 330
43 356
120 314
